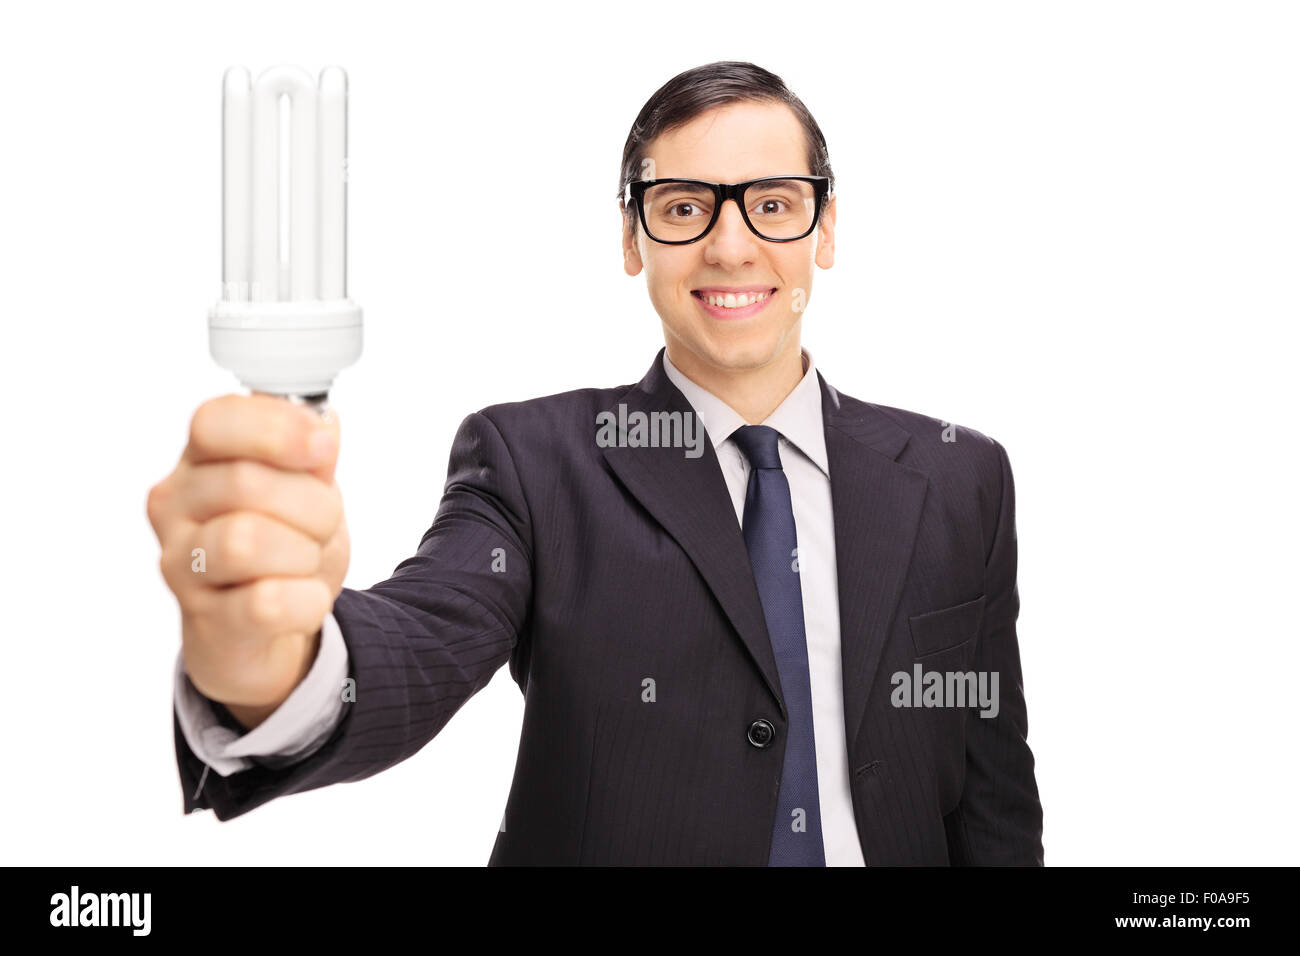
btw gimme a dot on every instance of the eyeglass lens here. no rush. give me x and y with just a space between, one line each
777 209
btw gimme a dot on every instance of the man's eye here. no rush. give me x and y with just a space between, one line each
771 207
684 210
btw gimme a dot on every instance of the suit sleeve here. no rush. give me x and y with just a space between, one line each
999 820
419 644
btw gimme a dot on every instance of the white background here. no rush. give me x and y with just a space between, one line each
1074 227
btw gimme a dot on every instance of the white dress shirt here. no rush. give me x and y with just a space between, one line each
802 446
305 720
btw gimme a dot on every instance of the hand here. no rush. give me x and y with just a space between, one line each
254 546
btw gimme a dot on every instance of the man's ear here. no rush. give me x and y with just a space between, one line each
826 236
631 252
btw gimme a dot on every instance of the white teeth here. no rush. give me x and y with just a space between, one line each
731 300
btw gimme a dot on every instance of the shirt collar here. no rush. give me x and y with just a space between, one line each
798 418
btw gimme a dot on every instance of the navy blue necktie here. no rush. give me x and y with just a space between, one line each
770 539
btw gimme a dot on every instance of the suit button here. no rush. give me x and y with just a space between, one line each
761 733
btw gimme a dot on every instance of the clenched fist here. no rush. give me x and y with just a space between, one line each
254 546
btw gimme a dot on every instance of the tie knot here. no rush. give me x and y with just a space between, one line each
758 442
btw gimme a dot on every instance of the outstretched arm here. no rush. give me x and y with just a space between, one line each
419 644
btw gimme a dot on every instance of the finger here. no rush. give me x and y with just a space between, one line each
267 429
269 607
160 506
299 500
180 562
242 546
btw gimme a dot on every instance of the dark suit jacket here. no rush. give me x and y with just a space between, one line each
626 563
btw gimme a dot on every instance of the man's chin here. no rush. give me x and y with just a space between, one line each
737 353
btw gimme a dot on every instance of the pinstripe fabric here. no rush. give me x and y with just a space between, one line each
624 565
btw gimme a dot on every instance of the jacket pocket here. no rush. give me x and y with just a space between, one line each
946 628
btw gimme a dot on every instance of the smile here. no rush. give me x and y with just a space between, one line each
731 300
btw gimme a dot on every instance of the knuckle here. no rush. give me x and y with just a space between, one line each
247 483
265 603
155 503
239 538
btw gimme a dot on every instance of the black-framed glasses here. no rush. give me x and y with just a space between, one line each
775 208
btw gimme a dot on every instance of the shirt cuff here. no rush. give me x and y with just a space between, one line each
297 727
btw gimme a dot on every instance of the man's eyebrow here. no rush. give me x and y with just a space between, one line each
780 182
689 187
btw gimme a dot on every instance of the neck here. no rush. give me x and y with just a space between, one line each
753 392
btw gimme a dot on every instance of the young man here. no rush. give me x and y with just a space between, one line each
714 587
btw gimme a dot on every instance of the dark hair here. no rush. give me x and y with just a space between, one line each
689 94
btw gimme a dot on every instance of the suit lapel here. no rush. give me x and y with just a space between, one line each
877 504
877 509
689 498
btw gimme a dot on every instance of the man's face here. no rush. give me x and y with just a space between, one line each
733 143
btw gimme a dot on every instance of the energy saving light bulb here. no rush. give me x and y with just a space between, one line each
284 323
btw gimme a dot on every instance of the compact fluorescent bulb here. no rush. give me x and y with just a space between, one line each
284 324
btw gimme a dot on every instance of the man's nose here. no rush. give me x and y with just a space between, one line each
730 231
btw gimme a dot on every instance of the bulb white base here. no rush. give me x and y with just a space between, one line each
285 348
